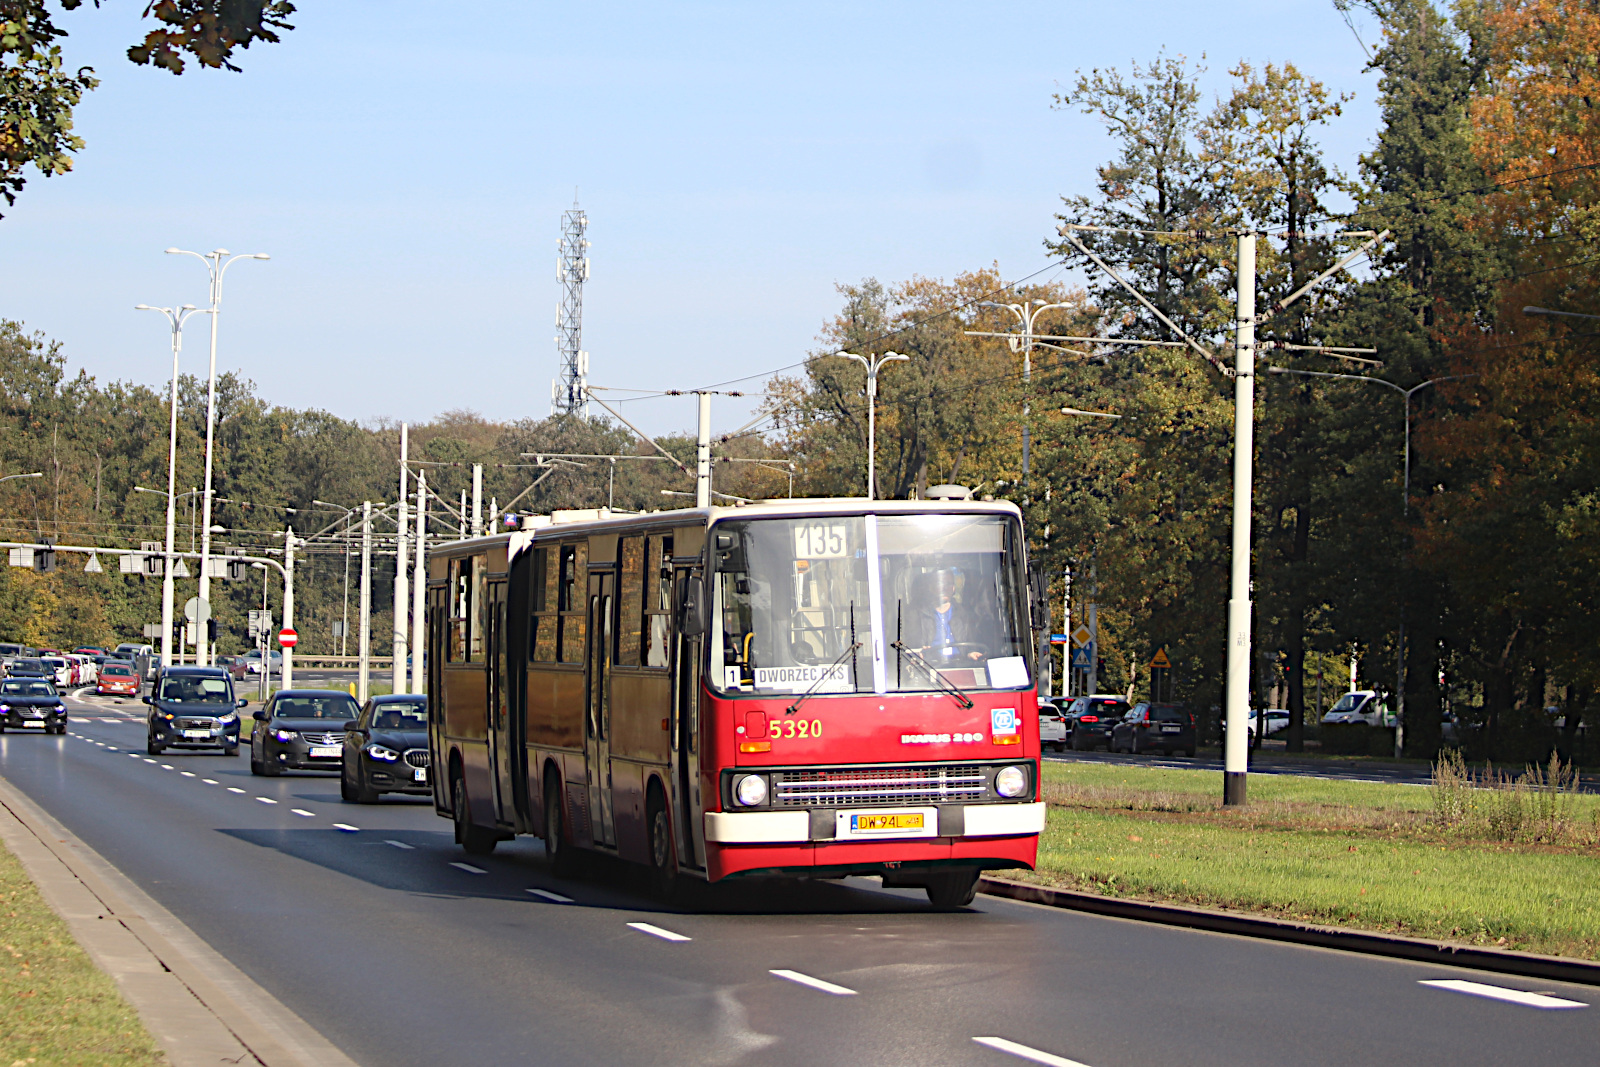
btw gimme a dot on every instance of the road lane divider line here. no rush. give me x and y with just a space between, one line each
209 781
1512 996
814 983
401 844
136 756
235 789
167 767
303 811
187 774
347 828
469 868
266 800
557 897
1000 1044
656 931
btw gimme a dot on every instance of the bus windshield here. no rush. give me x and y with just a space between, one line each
873 603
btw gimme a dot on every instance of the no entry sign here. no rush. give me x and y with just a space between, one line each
287 637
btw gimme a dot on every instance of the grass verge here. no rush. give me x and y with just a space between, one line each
56 1007
1359 854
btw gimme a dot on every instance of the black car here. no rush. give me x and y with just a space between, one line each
302 730
386 750
1090 719
193 707
32 703
1150 727
30 668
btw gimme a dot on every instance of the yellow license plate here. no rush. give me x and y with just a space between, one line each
867 824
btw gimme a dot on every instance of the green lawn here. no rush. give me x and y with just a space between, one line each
1343 853
56 1007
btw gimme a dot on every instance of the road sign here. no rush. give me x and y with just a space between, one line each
1081 658
1081 636
197 610
1161 659
1055 639
287 637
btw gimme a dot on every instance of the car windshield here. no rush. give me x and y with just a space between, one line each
400 715
27 689
1350 702
196 691
34 665
53 662
328 707
112 671
873 603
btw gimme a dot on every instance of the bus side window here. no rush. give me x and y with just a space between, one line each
542 624
460 607
632 589
477 618
573 592
657 601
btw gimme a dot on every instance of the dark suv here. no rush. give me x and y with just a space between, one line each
1090 718
193 707
1150 727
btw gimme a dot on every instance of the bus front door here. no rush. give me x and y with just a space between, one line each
602 610
686 742
503 750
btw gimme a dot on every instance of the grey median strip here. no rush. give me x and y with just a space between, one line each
1443 953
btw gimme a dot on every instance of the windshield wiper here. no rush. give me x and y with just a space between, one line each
812 691
940 680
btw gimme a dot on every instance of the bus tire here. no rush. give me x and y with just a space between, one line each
664 879
473 839
953 889
556 846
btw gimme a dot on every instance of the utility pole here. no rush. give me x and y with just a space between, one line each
461 527
364 645
477 500
874 365
402 602
702 452
1066 628
419 586
287 674
1236 701
1094 623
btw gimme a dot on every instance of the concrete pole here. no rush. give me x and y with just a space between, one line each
287 675
1236 702
461 527
402 601
419 587
477 500
364 645
202 647
702 452
1066 628
172 503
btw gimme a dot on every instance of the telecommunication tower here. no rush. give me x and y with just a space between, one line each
569 393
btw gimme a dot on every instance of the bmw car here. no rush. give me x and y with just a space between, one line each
193 707
32 702
386 750
301 730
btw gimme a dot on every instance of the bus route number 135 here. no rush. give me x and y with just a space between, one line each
819 540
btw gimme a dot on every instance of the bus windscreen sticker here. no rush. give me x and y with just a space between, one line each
1003 721
1008 672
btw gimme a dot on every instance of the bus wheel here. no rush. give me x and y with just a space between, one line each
953 889
556 846
663 857
473 838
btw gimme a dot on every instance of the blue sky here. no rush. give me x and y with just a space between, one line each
406 164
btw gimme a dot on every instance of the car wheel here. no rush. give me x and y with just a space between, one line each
556 846
270 768
364 793
256 766
230 750
2 727
1077 746
664 880
1189 751
151 748
347 792
473 839
952 889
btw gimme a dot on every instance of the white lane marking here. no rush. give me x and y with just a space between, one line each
303 811
235 789
1513 996
166 766
347 828
401 844
187 774
266 800
656 931
557 897
469 868
209 781
1000 1044
815 983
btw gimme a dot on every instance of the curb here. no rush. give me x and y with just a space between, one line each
201 1009
1416 949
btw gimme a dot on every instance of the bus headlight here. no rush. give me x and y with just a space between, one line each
1011 782
751 790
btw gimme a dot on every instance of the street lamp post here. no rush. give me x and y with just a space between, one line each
217 263
176 317
1530 310
873 364
35 474
1027 316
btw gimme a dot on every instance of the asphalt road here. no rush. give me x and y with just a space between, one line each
368 922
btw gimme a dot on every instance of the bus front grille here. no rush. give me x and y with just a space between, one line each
827 788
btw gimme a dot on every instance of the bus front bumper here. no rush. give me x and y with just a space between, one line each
797 827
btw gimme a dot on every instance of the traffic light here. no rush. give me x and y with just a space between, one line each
44 559
211 631
1100 667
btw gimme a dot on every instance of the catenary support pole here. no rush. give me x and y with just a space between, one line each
702 452
364 644
477 500
1066 628
172 506
461 527
1236 702
419 587
402 601
287 674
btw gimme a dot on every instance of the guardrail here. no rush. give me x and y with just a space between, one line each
348 662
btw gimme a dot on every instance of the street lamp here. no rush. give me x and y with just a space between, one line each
874 365
344 630
176 317
1027 316
35 474
217 264
1530 310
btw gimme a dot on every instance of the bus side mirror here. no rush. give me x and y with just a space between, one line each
692 608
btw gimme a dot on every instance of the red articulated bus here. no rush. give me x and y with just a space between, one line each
814 688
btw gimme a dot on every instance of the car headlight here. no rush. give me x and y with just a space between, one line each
228 718
5 707
388 755
283 735
1011 782
61 707
751 790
